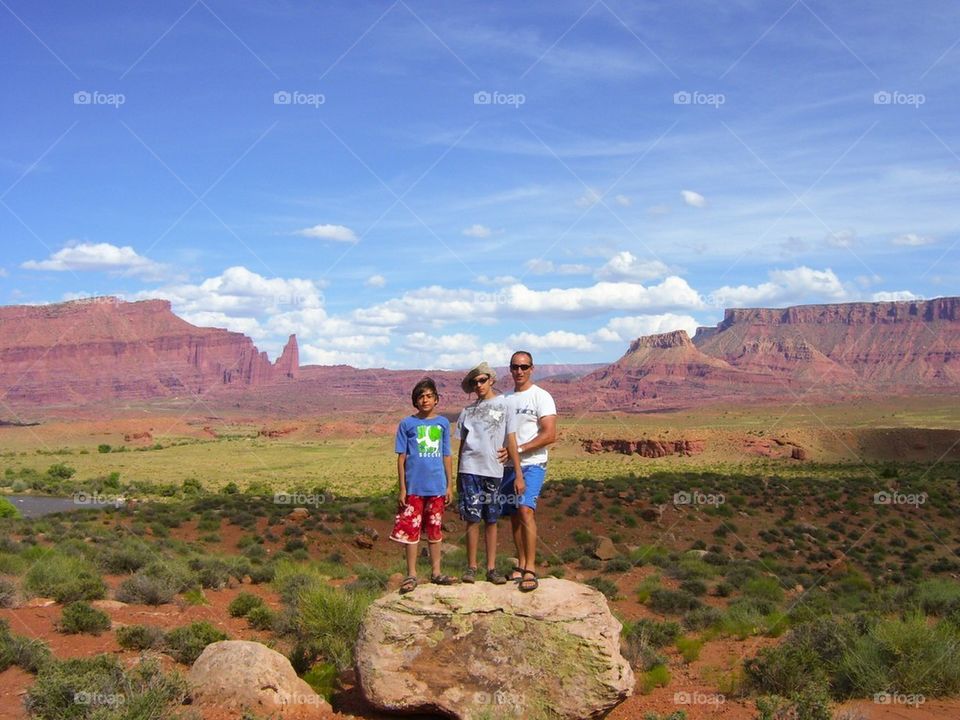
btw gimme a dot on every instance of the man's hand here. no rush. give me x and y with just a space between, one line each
519 486
402 499
503 455
449 498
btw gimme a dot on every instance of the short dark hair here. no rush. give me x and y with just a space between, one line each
521 352
421 387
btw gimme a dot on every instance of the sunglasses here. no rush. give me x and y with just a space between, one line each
520 366
480 380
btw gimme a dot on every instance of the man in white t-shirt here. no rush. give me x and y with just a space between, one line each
536 428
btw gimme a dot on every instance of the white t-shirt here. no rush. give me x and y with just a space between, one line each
529 406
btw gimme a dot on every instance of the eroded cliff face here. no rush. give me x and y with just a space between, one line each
102 349
876 345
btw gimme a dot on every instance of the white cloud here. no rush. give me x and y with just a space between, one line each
338 233
626 266
3 272
493 353
894 296
377 281
623 201
539 266
553 340
477 231
785 286
913 240
630 327
98 257
496 280
658 210
314 355
842 238
693 199
589 198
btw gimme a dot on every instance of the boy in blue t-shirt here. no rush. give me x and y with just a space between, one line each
424 469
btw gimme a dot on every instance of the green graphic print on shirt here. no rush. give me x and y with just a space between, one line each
428 440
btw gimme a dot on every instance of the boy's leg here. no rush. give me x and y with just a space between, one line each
411 551
435 559
490 544
473 540
528 537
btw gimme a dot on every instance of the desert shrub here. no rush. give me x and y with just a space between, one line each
588 562
608 588
906 654
65 578
156 584
8 509
291 578
694 586
653 633
672 602
689 648
618 564
99 688
243 603
657 676
936 596
763 588
262 573
370 578
701 618
81 617
322 677
184 644
139 637
26 653
123 557
329 621
8 593
11 564
261 618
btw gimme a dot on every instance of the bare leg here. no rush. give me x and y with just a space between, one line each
527 529
490 536
517 528
435 559
411 551
473 541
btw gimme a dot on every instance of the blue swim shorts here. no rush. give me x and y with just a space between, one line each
478 498
533 477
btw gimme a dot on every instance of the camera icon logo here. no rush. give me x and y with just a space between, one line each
482 97
82 97
682 98
282 97
882 498
882 98
682 498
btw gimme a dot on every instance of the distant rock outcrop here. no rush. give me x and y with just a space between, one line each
478 651
89 351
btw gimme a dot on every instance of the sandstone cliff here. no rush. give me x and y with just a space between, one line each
102 349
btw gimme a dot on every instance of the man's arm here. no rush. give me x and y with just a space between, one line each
546 434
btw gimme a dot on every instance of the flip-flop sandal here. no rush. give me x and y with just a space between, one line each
408 585
529 584
443 580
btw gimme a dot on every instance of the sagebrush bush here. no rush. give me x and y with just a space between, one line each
243 603
329 620
184 644
139 637
673 602
65 578
100 688
28 654
605 586
124 556
81 617
8 593
261 618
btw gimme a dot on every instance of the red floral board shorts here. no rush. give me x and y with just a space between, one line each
417 512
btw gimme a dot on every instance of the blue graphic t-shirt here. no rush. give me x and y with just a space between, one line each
425 443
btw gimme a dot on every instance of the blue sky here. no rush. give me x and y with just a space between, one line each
415 184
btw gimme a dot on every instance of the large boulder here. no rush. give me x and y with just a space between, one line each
243 676
483 650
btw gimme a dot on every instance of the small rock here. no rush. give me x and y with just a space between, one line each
108 604
299 514
39 602
365 542
604 549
